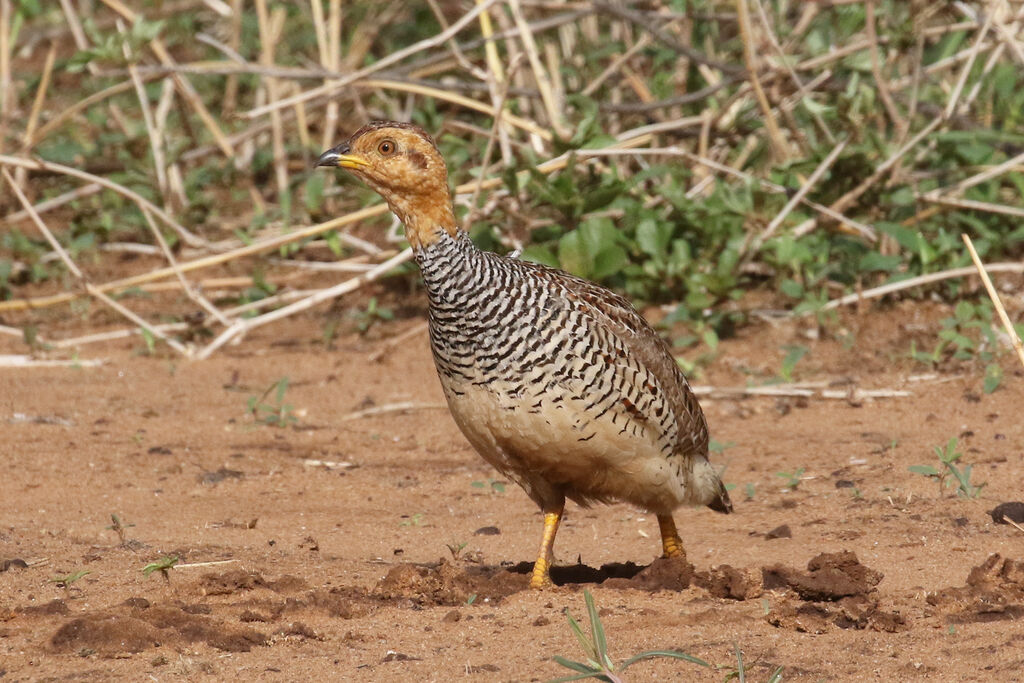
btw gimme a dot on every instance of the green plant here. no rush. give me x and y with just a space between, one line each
493 484
948 472
119 527
794 353
599 664
740 672
65 582
415 520
456 548
967 335
164 565
276 413
792 478
373 314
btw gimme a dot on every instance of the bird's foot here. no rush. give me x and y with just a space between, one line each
541 577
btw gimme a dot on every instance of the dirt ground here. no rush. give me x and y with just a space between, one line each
328 541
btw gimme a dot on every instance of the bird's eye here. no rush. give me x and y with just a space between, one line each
386 148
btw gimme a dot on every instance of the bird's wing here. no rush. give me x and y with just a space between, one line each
619 317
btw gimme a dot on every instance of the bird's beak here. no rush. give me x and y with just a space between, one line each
340 158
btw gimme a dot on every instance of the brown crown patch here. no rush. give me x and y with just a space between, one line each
378 125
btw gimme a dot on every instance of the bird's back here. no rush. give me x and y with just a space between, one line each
561 384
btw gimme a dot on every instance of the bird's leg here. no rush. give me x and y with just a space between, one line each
671 544
542 567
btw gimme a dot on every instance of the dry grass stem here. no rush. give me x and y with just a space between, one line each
780 147
77 273
380 65
799 195
1015 341
39 165
918 281
243 326
388 408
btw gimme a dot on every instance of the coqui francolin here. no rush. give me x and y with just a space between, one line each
558 383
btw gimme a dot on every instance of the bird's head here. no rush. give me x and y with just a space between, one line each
401 163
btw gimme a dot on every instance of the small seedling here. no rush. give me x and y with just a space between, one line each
494 484
948 456
750 490
164 565
119 527
456 548
372 315
993 377
66 581
276 413
792 478
740 672
794 352
415 520
599 664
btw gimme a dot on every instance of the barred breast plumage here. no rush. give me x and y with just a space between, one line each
558 383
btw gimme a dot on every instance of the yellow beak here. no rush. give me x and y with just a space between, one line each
339 157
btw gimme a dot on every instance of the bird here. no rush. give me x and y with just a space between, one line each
558 383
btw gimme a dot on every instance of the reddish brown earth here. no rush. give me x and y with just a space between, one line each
865 572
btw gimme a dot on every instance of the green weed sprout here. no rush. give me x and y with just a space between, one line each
66 581
275 414
948 456
599 664
163 565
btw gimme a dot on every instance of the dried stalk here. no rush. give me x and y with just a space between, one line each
77 273
1015 341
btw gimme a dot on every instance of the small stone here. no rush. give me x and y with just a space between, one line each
782 531
1013 511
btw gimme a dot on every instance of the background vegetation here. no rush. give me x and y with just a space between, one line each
682 151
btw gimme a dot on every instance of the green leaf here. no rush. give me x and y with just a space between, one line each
993 377
653 236
572 254
926 470
597 631
674 654
588 647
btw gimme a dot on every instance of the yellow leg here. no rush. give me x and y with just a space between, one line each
542 567
671 544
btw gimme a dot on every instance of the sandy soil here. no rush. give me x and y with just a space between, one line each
343 571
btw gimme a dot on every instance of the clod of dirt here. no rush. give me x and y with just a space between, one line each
229 582
300 630
725 581
393 656
665 573
782 531
858 612
994 591
445 584
1013 511
487 531
130 629
15 562
219 476
830 576
107 634
56 606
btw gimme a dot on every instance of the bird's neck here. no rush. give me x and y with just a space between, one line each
426 219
